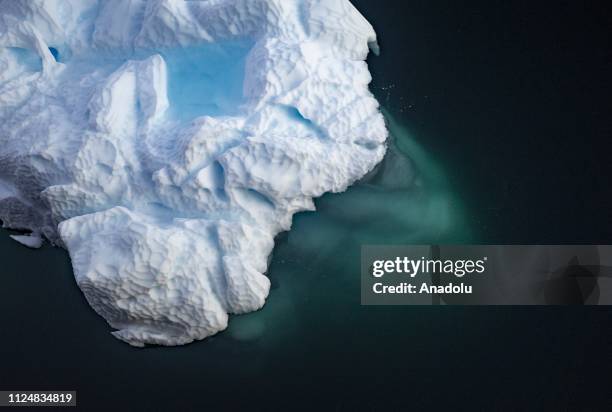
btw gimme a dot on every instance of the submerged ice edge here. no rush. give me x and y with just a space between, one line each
167 175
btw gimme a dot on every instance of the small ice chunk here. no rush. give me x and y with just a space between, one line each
32 241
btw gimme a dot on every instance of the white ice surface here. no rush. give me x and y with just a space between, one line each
172 140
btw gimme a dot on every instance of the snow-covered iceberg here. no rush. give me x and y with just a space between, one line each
165 143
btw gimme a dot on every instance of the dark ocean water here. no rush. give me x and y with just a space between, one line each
500 121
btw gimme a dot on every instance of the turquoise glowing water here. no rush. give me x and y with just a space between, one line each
405 200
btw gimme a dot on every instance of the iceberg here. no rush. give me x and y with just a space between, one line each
165 143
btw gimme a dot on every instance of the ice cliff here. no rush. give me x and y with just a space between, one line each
165 143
